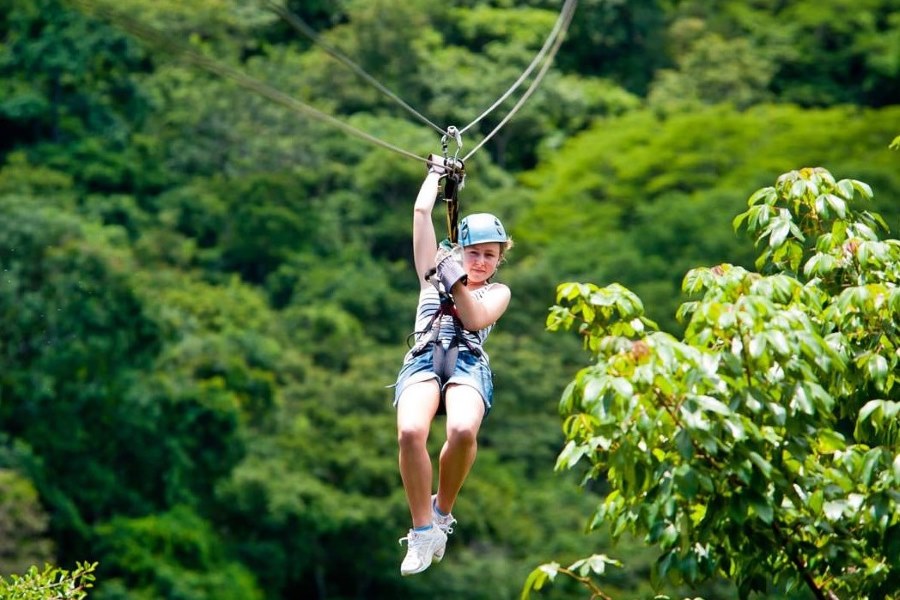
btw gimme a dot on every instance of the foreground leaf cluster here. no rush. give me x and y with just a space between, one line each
49 583
763 445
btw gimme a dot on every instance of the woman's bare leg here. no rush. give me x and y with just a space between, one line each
465 411
415 410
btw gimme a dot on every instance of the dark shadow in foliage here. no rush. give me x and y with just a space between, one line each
77 103
269 219
619 40
74 336
65 54
319 15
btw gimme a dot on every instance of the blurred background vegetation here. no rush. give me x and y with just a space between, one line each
205 294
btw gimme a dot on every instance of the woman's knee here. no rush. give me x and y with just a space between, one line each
415 410
462 434
410 437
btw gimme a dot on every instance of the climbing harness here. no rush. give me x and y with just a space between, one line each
444 354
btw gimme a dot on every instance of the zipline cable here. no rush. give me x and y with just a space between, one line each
537 80
166 43
298 24
159 39
456 176
553 41
562 21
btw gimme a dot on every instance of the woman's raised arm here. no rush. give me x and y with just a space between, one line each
424 239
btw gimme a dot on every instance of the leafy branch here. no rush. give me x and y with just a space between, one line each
581 571
51 583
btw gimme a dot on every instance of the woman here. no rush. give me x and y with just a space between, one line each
447 368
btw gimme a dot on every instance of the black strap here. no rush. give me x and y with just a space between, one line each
453 182
451 196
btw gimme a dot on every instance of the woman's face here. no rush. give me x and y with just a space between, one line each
480 261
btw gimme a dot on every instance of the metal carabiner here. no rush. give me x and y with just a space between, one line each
456 170
456 134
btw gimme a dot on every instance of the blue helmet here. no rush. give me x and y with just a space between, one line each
480 228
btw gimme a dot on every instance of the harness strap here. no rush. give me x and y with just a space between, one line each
451 191
445 358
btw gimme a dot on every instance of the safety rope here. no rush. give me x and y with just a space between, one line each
298 24
566 18
454 180
166 43
554 39
451 197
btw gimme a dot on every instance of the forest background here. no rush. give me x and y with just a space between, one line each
205 293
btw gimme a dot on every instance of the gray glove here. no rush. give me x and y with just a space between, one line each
449 265
435 164
445 249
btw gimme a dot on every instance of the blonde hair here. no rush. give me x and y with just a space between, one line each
504 248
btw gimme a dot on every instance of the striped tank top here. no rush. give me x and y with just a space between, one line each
429 303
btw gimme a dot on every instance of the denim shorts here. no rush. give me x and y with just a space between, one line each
471 370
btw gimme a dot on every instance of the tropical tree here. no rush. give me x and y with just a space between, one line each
763 446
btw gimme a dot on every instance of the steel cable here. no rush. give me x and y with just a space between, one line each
566 20
166 43
159 39
565 17
298 24
552 43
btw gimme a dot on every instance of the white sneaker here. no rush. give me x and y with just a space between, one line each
422 546
444 523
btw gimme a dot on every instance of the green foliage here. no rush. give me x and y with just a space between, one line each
725 445
19 176
51 583
73 334
23 525
712 70
215 18
354 308
807 54
296 498
205 294
204 126
866 34
644 192
268 221
71 96
378 49
81 81
170 555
